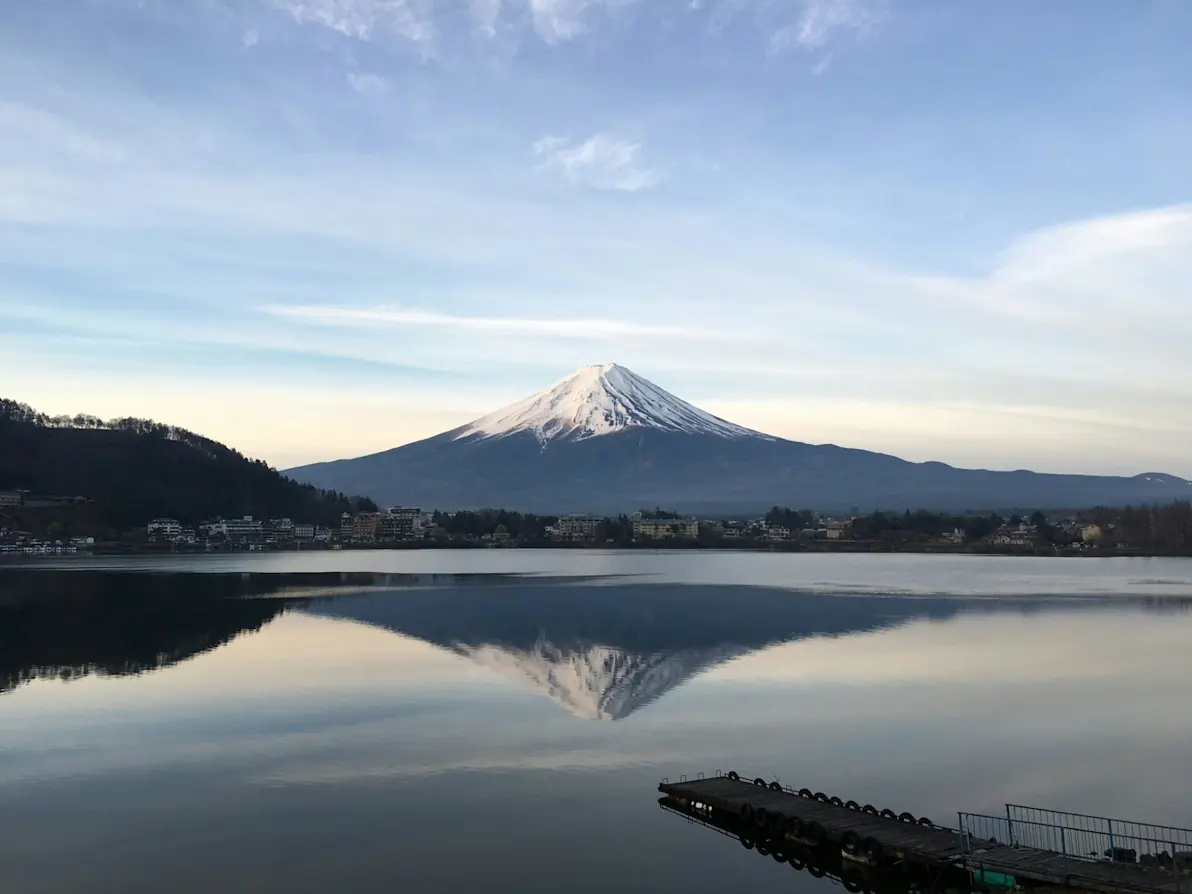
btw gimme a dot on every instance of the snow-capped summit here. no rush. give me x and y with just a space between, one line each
600 400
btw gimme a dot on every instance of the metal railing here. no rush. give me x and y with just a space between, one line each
1082 839
1099 837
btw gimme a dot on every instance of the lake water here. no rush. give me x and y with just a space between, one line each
499 720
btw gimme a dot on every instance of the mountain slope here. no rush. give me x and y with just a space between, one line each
606 440
135 470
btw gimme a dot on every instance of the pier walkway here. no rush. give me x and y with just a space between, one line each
1139 858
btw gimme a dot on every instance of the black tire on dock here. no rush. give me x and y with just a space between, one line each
870 809
852 805
850 841
759 781
851 885
907 818
776 786
804 793
779 856
872 849
761 817
746 813
763 850
835 802
794 827
887 813
814 834
816 872
796 862
821 797
747 843
926 823
734 775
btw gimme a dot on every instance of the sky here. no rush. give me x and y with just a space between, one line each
314 229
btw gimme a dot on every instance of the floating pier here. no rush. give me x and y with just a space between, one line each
1026 847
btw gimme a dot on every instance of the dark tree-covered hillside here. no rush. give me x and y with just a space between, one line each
134 470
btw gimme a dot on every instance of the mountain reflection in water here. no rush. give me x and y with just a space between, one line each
600 652
604 653
347 732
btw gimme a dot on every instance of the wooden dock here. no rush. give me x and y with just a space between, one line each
867 837
825 862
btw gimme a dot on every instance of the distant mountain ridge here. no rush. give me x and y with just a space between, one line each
606 440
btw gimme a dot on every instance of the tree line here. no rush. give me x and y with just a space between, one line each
132 470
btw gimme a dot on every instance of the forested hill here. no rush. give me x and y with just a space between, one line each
134 470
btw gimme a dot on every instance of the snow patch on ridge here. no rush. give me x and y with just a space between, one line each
600 400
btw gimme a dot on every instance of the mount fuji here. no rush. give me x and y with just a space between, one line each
604 439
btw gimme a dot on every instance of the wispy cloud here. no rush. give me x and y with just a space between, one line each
365 19
817 26
367 83
601 162
486 15
823 24
559 20
400 317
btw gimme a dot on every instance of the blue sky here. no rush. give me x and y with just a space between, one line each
318 228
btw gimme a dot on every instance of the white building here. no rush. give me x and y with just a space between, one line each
11 498
164 527
577 527
234 528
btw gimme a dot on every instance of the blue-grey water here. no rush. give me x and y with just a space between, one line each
499 720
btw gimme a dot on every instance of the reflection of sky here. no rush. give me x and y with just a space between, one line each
818 572
326 755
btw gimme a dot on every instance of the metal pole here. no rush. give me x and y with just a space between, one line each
1009 825
1175 868
1112 852
1064 847
964 843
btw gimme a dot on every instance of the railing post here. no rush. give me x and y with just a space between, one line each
1064 848
1175 867
964 845
1112 851
1009 826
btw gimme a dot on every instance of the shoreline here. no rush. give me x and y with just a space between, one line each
837 548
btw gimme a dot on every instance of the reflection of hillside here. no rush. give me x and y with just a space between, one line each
66 624
63 624
605 652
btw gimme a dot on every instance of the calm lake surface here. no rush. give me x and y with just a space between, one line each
499 720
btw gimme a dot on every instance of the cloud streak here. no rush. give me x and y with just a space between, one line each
399 317
601 162
408 20
367 83
822 26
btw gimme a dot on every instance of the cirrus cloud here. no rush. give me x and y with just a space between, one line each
601 162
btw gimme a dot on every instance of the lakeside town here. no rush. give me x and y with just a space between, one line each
1150 530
